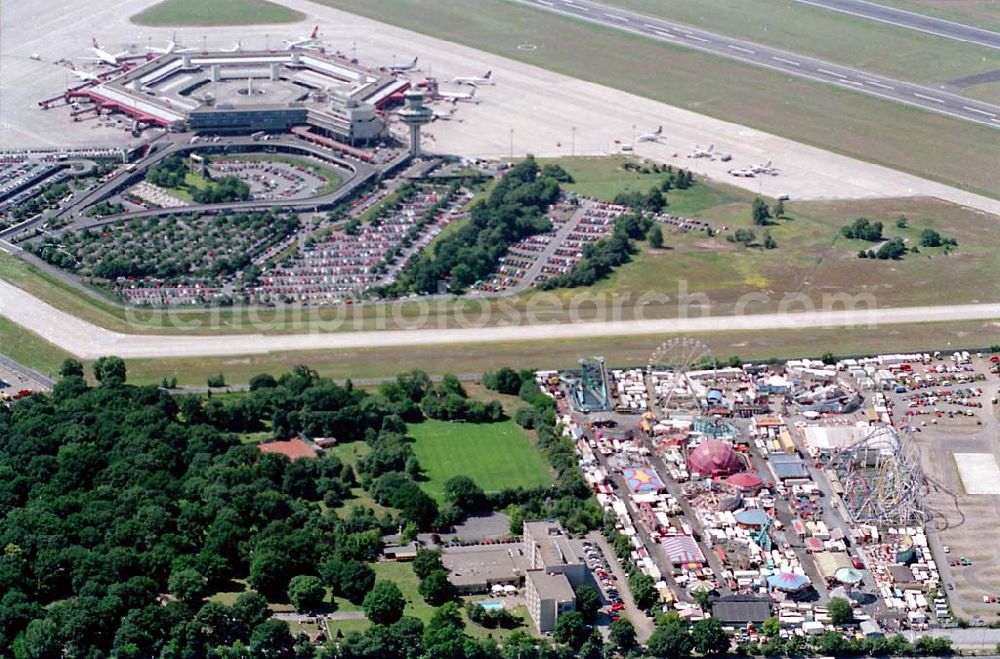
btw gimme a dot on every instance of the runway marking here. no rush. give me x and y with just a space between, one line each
929 98
988 114
680 29
546 3
651 27
851 82
786 61
665 34
696 38
832 73
879 84
615 17
742 49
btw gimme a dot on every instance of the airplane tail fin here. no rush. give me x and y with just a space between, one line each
93 42
659 131
489 74
314 33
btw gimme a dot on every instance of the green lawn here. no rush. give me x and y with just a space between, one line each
179 13
494 455
604 177
29 349
900 137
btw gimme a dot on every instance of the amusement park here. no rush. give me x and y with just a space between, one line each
788 486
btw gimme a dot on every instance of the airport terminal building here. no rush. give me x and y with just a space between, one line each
246 92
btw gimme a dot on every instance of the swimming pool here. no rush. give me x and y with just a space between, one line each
491 605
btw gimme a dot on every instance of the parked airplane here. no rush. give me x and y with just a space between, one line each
651 137
703 153
304 42
85 75
455 97
173 46
745 172
400 68
764 168
448 116
474 80
236 47
105 56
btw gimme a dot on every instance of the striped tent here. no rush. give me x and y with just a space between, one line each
682 549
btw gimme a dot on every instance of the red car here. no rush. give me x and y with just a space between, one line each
617 606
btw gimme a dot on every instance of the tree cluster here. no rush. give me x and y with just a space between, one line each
863 229
116 495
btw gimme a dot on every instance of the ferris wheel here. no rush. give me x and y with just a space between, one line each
682 370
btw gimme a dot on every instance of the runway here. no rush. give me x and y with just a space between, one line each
911 20
920 96
88 341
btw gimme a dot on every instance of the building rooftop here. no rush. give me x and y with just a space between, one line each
482 564
741 609
551 586
554 546
293 449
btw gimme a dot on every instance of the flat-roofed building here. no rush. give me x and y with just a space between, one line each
548 596
548 547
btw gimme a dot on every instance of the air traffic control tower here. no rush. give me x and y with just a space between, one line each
415 115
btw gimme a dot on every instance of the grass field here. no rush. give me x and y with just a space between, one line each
989 91
171 13
839 38
908 139
29 349
494 455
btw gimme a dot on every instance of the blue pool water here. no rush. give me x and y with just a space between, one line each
491 605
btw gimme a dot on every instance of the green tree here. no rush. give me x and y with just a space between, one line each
70 368
621 633
426 562
463 493
643 590
187 585
671 638
588 601
828 358
347 578
655 237
840 610
41 640
436 589
709 637
769 241
759 212
384 604
306 593
744 236
771 627
272 640
779 209
571 629
110 369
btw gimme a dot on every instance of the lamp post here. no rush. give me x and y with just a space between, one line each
572 148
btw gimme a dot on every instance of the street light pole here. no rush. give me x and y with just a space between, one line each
511 143
573 143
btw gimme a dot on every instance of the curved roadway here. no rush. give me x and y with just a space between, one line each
890 89
88 341
356 173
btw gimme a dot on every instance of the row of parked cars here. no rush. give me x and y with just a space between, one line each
599 566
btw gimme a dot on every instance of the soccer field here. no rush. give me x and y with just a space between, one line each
494 455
